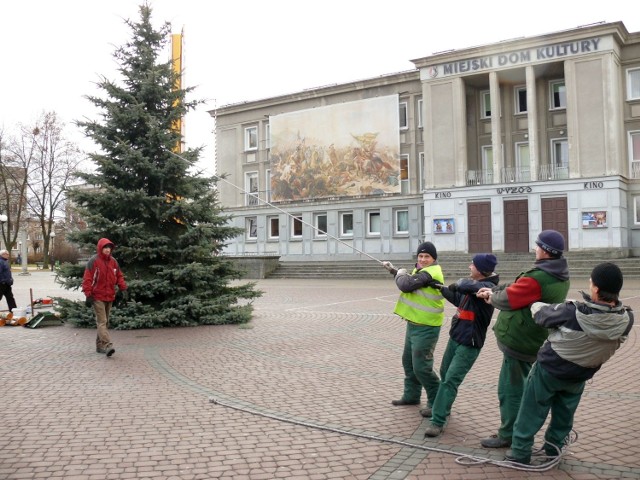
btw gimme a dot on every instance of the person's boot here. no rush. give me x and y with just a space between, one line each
426 412
495 442
509 457
433 430
402 402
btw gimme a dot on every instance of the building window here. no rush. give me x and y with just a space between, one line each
404 174
521 100
250 138
560 155
422 170
523 163
251 228
558 93
485 176
267 136
296 226
485 100
633 84
636 210
346 224
420 107
321 224
404 116
634 153
373 223
268 186
402 222
251 187
274 227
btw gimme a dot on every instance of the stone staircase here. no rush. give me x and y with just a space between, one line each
454 265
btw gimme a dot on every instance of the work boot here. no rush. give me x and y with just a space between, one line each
433 430
495 441
402 401
110 351
510 458
426 412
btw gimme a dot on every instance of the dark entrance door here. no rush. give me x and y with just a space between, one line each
554 216
516 226
479 223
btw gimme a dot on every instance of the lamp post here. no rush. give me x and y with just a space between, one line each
52 236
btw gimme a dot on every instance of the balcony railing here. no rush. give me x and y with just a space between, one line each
511 174
635 169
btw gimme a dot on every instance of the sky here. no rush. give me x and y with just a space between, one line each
55 51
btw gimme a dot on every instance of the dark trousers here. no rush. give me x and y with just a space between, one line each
511 382
417 361
5 291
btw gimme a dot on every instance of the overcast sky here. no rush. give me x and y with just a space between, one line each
54 51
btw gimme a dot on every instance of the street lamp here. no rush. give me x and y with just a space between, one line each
3 220
52 236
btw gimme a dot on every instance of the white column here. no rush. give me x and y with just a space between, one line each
496 129
532 124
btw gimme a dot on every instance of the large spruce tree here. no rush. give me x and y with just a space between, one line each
162 215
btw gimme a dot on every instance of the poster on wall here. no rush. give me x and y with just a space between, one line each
594 219
444 225
349 149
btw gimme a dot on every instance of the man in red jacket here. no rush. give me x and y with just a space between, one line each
101 276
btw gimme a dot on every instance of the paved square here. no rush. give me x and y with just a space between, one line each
303 392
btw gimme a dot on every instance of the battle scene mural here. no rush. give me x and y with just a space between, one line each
340 150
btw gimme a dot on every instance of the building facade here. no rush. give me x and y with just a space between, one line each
476 150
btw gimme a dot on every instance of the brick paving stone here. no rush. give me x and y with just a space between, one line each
307 384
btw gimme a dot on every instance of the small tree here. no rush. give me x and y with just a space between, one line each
164 219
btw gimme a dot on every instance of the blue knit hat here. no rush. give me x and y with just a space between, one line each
551 242
485 262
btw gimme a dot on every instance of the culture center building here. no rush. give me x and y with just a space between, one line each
477 150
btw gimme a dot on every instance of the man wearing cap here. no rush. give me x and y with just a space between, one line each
101 276
6 279
421 305
582 337
518 336
466 336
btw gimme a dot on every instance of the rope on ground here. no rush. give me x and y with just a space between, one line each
463 459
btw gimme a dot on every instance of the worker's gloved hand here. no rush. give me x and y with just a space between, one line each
125 295
435 284
453 287
389 266
402 271
89 302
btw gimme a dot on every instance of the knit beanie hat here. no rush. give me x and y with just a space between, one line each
607 277
428 247
485 262
551 242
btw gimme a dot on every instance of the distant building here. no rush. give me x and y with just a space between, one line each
476 150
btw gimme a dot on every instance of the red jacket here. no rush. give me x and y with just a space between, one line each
102 274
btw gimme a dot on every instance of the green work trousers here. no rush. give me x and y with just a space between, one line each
511 382
542 393
417 361
456 363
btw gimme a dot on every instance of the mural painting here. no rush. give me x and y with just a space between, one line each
341 150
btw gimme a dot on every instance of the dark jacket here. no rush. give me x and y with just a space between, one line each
517 334
102 274
582 336
470 323
5 272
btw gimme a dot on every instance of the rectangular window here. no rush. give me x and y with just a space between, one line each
485 108
633 84
250 138
523 162
521 100
346 224
560 156
485 176
296 226
420 107
404 116
251 187
636 210
251 228
402 222
320 222
634 153
404 174
422 170
558 93
373 223
274 227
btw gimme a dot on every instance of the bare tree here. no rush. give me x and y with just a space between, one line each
50 162
13 189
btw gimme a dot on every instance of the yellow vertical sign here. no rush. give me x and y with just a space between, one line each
176 58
